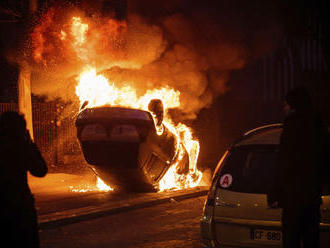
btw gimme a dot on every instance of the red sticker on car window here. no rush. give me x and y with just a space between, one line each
226 180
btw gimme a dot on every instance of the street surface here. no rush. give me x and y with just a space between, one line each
172 224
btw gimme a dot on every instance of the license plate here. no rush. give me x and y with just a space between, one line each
266 235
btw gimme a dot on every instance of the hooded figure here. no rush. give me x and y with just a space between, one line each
299 184
18 156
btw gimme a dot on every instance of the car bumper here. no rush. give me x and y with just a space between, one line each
233 232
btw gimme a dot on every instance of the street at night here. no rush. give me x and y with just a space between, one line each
168 225
177 123
73 212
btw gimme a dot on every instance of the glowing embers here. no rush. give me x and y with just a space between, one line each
102 186
99 186
64 40
78 31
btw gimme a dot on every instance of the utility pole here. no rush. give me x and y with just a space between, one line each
24 81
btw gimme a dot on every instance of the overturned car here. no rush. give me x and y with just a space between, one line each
124 147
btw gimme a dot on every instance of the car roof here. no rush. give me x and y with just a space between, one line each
264 135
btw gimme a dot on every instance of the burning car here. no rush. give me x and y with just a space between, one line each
129 147
125 130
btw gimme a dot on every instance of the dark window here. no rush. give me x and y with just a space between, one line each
252 168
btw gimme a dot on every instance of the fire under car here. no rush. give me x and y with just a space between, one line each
122 146
236 212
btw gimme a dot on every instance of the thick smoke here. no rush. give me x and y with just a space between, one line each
192 46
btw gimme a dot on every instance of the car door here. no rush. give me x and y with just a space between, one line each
241 216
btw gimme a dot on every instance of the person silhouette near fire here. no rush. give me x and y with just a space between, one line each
19 155
299 180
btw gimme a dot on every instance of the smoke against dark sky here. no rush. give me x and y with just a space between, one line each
191 46
205 41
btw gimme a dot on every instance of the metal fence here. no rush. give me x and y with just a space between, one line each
55 136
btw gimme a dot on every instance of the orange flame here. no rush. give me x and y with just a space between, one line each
78 31
173 180
82 42
100 186
60 40
97 91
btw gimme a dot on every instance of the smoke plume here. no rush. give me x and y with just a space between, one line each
191 46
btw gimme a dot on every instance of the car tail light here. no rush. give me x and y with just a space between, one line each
207 218
211 194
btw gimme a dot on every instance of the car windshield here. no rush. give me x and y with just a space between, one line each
251 169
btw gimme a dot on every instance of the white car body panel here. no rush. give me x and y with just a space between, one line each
236 214
230 216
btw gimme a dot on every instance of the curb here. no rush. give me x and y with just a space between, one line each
67 217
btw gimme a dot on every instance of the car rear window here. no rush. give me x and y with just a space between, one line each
251 169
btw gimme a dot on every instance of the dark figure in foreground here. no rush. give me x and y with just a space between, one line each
301 165
18 155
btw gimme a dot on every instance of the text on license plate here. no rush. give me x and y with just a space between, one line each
266 235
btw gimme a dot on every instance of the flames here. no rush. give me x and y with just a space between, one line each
78 30
83 43
173 180
102 186
99 186
96 90
62 41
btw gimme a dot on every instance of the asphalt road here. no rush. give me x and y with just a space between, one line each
173 224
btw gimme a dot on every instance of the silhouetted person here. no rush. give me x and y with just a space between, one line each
301 160
18 155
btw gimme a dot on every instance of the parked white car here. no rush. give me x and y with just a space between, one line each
236 212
